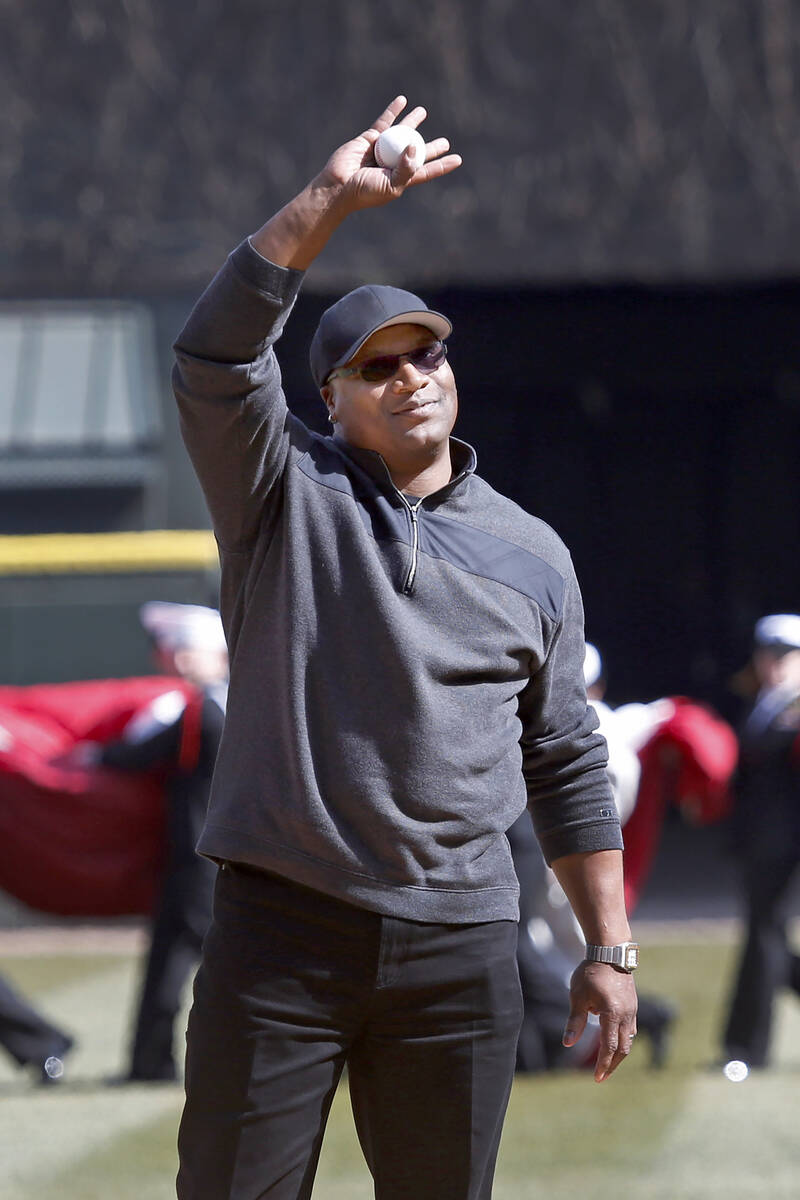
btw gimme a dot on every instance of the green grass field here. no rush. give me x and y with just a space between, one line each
683 1133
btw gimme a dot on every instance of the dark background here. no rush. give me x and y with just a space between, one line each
620 254
608 140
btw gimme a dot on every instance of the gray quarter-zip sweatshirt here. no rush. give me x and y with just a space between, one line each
404 676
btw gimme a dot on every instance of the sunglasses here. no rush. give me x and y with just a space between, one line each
426 359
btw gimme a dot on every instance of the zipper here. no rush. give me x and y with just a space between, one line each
408 586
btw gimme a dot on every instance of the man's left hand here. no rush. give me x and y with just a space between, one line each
611 995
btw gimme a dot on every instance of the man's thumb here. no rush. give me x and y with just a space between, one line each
576 1023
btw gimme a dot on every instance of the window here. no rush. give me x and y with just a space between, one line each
79 395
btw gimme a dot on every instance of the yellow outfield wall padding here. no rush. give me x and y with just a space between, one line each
93 553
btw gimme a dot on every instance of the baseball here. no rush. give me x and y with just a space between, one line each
393 141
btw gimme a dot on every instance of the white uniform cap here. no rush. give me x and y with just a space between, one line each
183 626
779 629
592 665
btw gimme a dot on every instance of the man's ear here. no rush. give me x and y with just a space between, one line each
327 393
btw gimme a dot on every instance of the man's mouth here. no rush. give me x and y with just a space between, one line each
414 406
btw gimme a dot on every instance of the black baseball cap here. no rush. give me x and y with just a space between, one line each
346 325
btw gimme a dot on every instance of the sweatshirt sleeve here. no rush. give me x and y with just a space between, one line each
227 383
563 756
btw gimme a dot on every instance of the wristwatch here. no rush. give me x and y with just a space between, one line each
624 956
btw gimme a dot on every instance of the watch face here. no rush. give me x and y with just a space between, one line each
631 957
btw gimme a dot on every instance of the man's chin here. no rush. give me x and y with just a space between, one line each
427 436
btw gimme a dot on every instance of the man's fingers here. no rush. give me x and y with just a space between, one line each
616 1039
407 173
379 185
575 1026
605 1057
387 118
435 169
415 117
436 148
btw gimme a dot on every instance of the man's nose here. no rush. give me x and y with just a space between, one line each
408 377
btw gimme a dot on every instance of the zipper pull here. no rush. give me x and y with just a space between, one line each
408 587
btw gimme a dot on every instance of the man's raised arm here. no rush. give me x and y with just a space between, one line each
226 379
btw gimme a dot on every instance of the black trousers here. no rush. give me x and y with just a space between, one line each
293 985
766 963
24 1033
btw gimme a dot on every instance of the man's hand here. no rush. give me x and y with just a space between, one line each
610 994
361 183
350 180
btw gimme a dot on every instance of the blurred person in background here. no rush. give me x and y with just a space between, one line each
766 833
30 1039
550 940
656 1015
545 964
179 738
624 768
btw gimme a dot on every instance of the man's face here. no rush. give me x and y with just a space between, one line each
407 418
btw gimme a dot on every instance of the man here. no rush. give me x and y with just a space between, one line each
766 824
180 738
406 651
549 958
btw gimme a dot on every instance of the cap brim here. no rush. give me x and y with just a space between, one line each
436 322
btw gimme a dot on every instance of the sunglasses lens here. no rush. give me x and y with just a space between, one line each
379 368
426 359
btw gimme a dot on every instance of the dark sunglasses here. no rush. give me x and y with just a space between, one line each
426 359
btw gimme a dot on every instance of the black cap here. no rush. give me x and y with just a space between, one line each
347 324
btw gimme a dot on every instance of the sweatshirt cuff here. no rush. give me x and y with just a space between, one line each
581 839
279 284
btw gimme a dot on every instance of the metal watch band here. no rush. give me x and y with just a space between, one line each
624 956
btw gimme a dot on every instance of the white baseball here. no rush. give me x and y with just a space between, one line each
393 141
